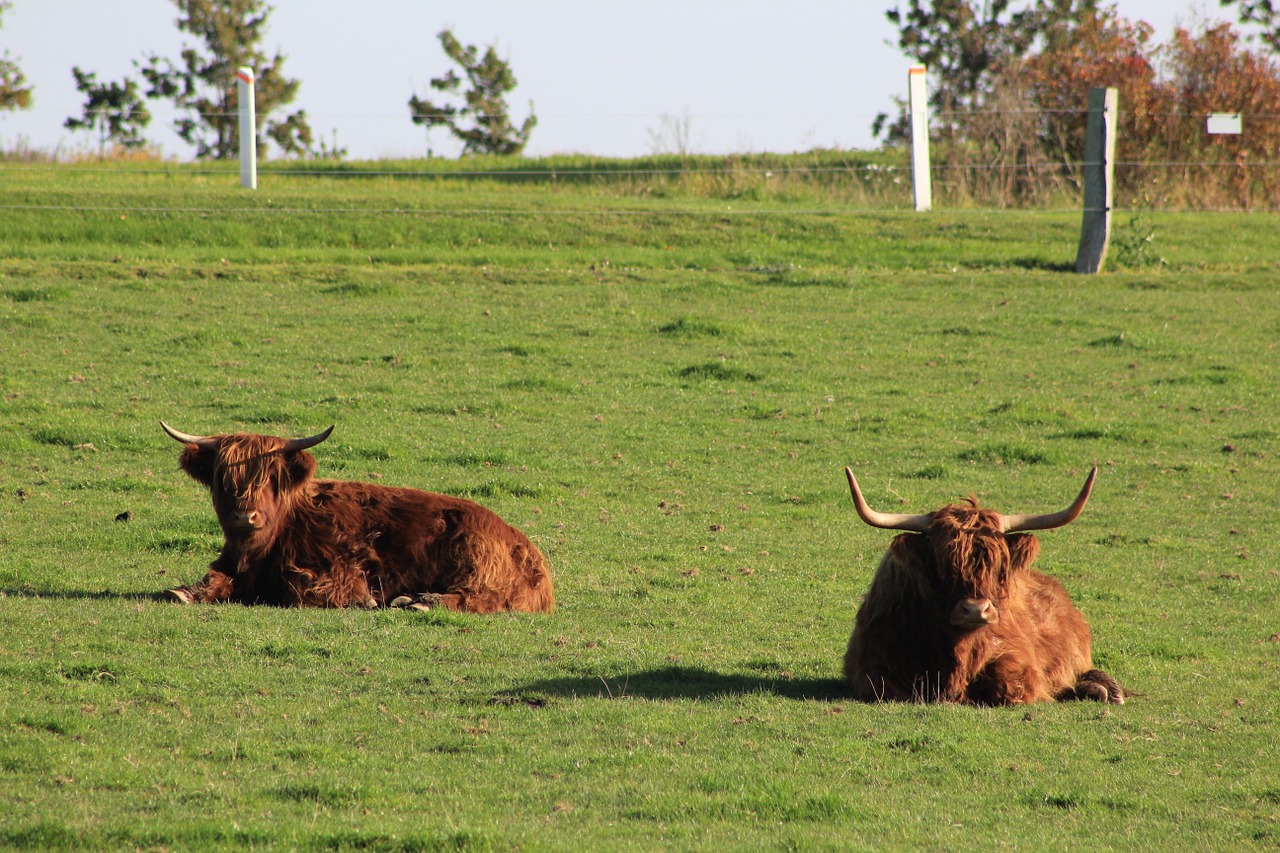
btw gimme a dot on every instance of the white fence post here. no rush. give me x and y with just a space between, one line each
1099 180
248 130
918 104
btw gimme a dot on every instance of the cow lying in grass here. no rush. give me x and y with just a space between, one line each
294 540
955 613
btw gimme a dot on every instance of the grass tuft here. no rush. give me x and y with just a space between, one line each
717 370
1004 454
685 327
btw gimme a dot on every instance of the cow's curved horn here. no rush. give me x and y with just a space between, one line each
884 520
1020 523
295 444
199 440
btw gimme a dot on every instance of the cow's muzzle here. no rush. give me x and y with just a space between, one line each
974 613
247 522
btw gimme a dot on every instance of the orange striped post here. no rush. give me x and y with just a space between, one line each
248 130
918 104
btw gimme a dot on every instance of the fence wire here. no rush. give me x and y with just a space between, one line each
973 173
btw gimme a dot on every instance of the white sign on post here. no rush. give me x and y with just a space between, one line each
248 130
1224 124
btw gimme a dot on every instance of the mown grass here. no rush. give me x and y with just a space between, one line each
664 401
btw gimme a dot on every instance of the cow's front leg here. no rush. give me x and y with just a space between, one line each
880 687
213 588
338 585
1006 682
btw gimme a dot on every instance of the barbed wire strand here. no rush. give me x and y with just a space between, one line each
727 212
866 171
556 173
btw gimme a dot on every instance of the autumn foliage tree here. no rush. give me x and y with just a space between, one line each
1104 50
966 48
1214 71
1166 92
1021 139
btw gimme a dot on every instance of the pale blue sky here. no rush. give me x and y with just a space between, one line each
738 75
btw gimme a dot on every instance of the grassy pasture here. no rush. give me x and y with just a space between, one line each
661 389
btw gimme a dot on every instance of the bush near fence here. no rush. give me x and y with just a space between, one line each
1025 148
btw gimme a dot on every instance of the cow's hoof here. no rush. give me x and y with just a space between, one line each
179 596
1092 690
1100 687
421 601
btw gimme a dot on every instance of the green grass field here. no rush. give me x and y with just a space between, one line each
661 388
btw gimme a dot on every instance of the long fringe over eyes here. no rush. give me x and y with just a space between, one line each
970 548
247 463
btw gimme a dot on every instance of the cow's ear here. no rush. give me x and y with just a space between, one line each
911 550
299 467
910 556
1023 550
198 463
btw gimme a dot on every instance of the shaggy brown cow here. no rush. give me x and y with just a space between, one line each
955 613
291 539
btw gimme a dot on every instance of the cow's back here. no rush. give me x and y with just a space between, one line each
425 542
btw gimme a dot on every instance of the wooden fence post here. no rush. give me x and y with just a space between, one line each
1099 174
248 130
918 106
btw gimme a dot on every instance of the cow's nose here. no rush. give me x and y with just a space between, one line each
251 519
973 612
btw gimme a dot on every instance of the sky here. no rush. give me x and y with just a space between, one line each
605 78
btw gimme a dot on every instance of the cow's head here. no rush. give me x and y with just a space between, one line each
253 479
968 554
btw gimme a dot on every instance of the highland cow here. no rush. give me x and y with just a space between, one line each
955 613
294 540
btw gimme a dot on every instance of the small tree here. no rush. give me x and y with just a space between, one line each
490 79
15 94
116 110
203 85
959 44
